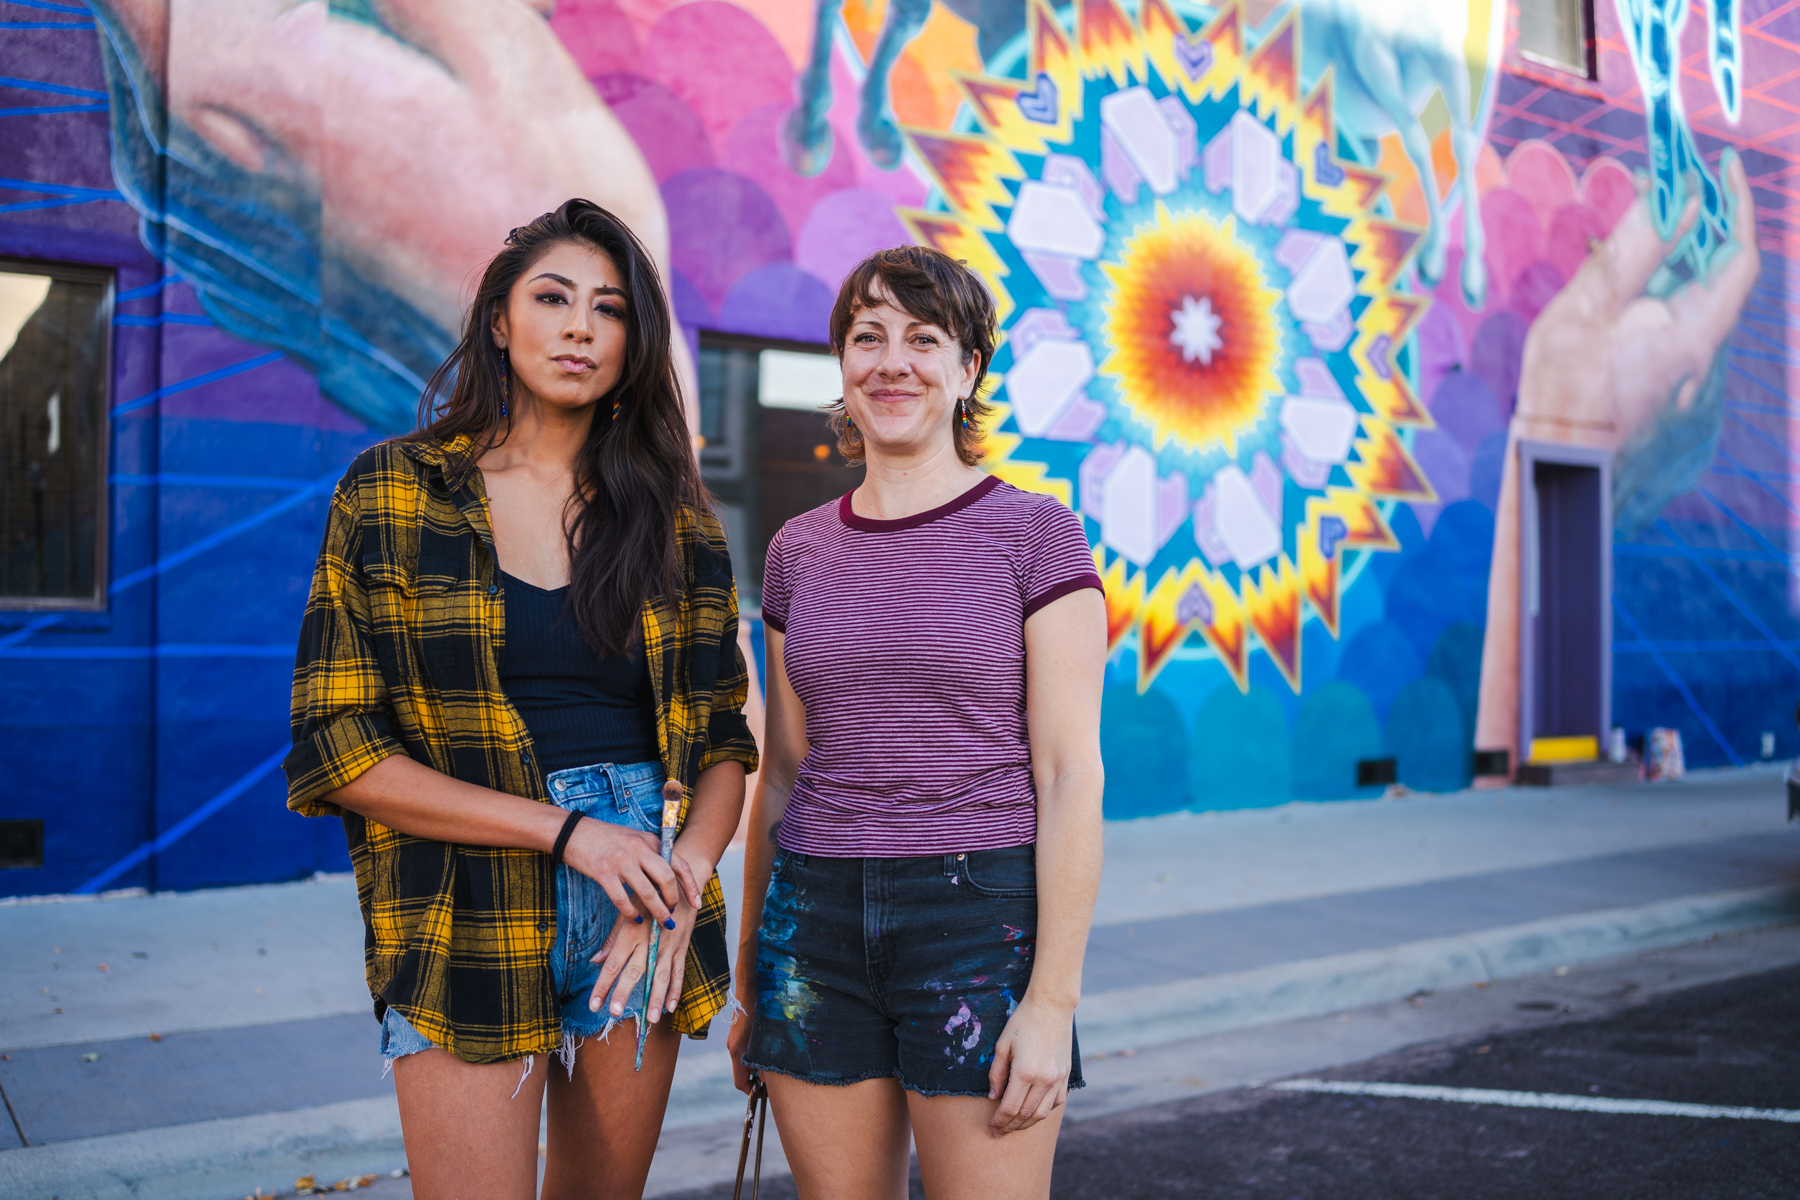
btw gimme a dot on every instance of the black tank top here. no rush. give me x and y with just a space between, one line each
579 708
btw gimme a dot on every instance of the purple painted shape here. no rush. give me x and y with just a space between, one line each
1378 355
1195 57
1328 173
1187 133
1442 347
1514 238
1496 355
691 308
1286 200
1065 170
1035 324
1265 477
668 135
1465 410
1092 475
1301 469
1171 505
1535 287
597 34
721 227
754 151
1206 530
1122 178
721 61
1316 379
1296 246
1078 421
1332 335
1060 276
1446 464
843 229
1039 104
1216 159
778 301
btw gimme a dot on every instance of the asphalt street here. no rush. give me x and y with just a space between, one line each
1733 1045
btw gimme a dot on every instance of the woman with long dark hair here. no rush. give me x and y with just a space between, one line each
522 627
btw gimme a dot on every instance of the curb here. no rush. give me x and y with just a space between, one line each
1194 1008
228 1159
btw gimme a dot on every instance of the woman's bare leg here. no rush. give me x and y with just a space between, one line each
605 1119
471 1131
960 1158
843 1143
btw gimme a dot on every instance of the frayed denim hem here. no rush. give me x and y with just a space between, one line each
826 1081
930 1093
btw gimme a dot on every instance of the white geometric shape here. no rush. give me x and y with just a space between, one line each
1092 475
1065 170
1265 477
1045 380
1128 506
1301 469
1322 427
1197 329
1036 323
1187 133
1054 219
1135 118
1323 286
1246 527
1255 180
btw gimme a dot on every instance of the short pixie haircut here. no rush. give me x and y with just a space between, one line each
934 287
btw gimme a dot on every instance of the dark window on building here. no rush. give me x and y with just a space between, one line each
55 335
767 450
1558 33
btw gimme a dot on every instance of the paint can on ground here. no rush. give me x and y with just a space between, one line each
1662 755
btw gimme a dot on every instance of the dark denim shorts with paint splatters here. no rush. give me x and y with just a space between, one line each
904 967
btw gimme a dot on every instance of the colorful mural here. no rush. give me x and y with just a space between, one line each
1284 286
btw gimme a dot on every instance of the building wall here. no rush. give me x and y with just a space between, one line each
1243 340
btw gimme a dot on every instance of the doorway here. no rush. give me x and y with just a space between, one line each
1565 579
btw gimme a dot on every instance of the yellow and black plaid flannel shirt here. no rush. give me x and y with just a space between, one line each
398 655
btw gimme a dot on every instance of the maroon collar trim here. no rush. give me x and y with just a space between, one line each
870 525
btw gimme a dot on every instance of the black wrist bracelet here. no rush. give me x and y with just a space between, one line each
562 839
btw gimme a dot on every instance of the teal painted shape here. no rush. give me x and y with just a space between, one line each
1425 735
1144 747
1456 659
1378 662
1336 729
1238 756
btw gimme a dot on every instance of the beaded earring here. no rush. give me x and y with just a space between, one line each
506 382
618 403
968 420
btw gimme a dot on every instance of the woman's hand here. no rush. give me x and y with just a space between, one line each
624 958
1030 1075
627 864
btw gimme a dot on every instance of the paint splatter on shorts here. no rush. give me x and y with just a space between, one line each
906 967
618 794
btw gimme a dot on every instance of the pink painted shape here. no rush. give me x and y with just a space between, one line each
1608 189
1538 172
722 62
597 34
1571 229
1265 477
843 229
1533 290
1078 421
754 151
1514 238
666 131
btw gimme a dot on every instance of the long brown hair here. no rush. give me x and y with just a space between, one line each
633 473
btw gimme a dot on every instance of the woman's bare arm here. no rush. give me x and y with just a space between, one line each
410 797
1065 669
784 745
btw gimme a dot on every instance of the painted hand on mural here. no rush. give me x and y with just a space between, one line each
1610 354
427 129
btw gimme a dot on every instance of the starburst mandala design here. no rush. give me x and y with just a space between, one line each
1205 327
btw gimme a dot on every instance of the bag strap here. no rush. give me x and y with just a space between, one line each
755 1117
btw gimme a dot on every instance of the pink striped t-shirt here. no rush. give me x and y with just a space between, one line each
905 640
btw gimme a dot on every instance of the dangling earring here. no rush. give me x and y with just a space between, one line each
618 402
968 421
506 382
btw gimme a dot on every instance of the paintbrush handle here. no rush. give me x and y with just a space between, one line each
671 817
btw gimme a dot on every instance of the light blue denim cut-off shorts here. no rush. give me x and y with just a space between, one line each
619 795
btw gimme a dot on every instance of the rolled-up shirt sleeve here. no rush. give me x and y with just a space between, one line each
342 716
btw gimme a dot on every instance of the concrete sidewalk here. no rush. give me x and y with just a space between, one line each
266 1065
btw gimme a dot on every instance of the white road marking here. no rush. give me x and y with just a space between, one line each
1596 1104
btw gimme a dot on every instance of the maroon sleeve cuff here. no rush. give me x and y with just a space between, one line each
1066 587
775 623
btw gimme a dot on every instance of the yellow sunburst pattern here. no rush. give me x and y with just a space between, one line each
1202 309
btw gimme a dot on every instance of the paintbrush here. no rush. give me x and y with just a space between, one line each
670 815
